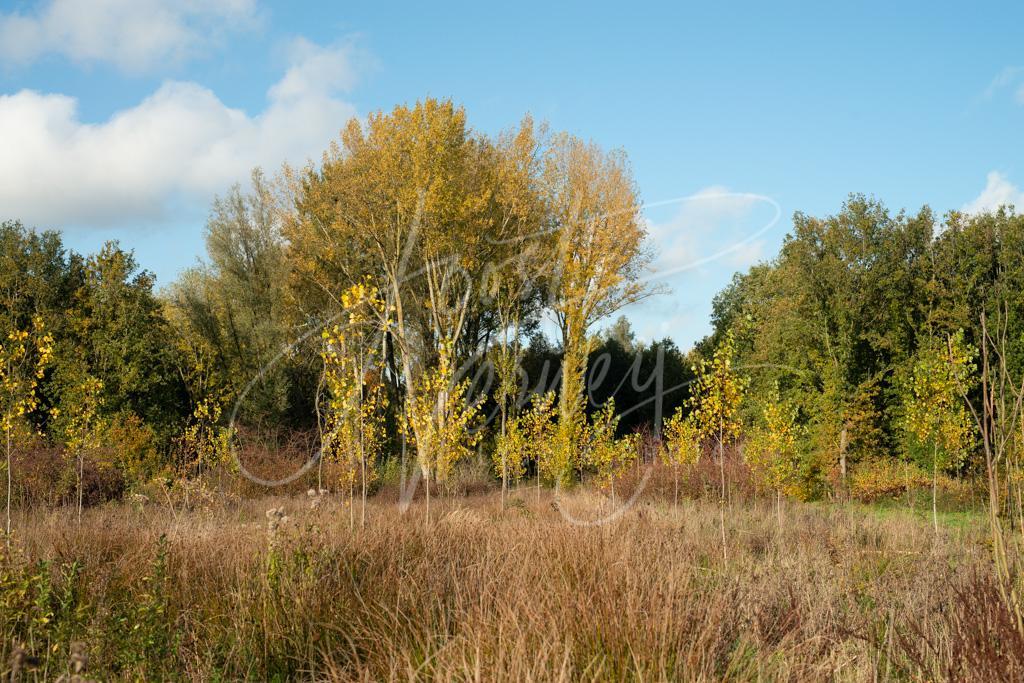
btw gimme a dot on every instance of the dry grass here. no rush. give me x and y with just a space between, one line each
491 595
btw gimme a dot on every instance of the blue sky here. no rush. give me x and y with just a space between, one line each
122 118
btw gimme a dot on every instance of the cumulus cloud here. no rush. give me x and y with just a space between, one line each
999 191
133 35
180 144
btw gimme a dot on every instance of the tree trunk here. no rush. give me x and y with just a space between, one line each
675 495
10 485
426 479
81 471
721 499
504 464
778 507
843 443
935 488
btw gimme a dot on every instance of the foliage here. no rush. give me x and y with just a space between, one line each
681 441
717 393
354 423
609 456
24 356
879 479
771 450
938 426
440 418
510 452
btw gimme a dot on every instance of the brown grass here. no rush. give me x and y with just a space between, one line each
491 595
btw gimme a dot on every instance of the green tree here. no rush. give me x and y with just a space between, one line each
82 427
237 305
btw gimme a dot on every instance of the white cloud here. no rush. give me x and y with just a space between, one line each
180 144
133 35
998 191
712 224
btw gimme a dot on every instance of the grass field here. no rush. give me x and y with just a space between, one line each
233 591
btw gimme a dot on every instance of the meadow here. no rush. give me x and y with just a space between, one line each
293 587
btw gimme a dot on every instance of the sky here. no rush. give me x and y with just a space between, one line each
122 119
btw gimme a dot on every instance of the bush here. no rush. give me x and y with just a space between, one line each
885 478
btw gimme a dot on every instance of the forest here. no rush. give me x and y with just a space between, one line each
431 314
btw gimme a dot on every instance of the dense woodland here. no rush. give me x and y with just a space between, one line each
382 307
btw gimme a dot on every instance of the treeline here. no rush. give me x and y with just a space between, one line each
386 305
865 312
382 300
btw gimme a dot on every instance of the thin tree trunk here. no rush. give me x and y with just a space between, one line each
935 488
504 464
721 499
538 481
843 443
426 479
675 495
778 507
362 446
81 471
10 485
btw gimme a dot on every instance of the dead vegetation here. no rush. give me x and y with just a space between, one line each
277 588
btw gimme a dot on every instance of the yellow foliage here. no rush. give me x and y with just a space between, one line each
439 418
717 393
24 356
681 446
771 450
354 419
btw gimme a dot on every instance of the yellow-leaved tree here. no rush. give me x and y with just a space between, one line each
771 451
24 355
539 428
936 420
680 447
715 402
354 421
599 258
608 455
439 420
427 206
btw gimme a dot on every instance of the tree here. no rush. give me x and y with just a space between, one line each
937 421
681 447
609 455
439 418
424 206
598 259
82 426
356 402
540 431
715 404
236 304
771 450
833 318
24 356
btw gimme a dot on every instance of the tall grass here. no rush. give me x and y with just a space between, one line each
481 594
